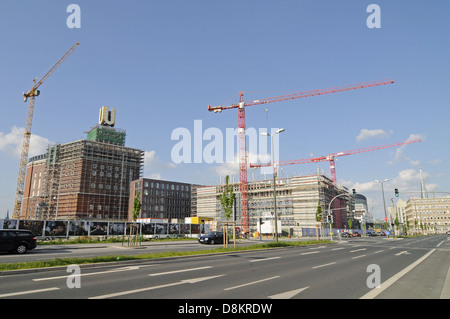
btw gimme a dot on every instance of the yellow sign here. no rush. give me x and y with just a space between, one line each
106 117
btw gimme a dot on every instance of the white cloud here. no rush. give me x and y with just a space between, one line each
153 165
365 134
399 155
11 143
232 169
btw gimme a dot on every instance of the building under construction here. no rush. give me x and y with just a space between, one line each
297 202
85 179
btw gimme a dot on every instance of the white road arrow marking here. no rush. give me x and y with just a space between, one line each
97 273
186 281
288 294
402 253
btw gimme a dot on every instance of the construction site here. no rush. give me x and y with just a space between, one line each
90 179
297 200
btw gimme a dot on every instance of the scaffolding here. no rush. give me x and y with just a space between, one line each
89 179
297 201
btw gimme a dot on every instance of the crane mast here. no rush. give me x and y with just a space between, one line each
241 105
31 95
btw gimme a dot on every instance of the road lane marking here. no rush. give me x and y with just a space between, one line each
252 283
128 292
445 293
440 243
12 294
96 273
257 260
338 248
354 251
402 253
376 291
358 256
288 294
178 271
378 251
324 265
310 252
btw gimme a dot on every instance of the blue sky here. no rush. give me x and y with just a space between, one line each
161 63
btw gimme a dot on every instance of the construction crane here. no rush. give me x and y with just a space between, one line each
331 157
241 105
31 94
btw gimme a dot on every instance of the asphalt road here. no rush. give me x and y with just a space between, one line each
350 269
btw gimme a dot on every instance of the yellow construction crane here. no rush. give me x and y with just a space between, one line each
31 94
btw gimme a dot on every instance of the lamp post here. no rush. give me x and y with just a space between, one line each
274 181
329 213
382 191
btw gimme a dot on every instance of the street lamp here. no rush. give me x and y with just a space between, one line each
274 181
382 191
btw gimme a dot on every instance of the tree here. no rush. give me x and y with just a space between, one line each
407 225
134 216
227 199
396 222
136 207
318 217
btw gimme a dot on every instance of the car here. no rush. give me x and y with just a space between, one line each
448 233
356 234
17 240
346 234
214 237
371 233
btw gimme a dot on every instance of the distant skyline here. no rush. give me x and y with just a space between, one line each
161 63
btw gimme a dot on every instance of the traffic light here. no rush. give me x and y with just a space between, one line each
329 219
354 192
396 192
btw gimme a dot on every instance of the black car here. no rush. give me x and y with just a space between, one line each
17 240
214 237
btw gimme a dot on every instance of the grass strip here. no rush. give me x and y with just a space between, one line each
111 258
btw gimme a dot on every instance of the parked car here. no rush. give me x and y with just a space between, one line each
371 233
17 240
214 237
356 234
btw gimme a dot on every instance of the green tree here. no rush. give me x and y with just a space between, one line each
396 222
318 217
227 199
136 207
319 213
407 225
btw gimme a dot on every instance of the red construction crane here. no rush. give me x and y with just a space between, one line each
241 127
331 157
